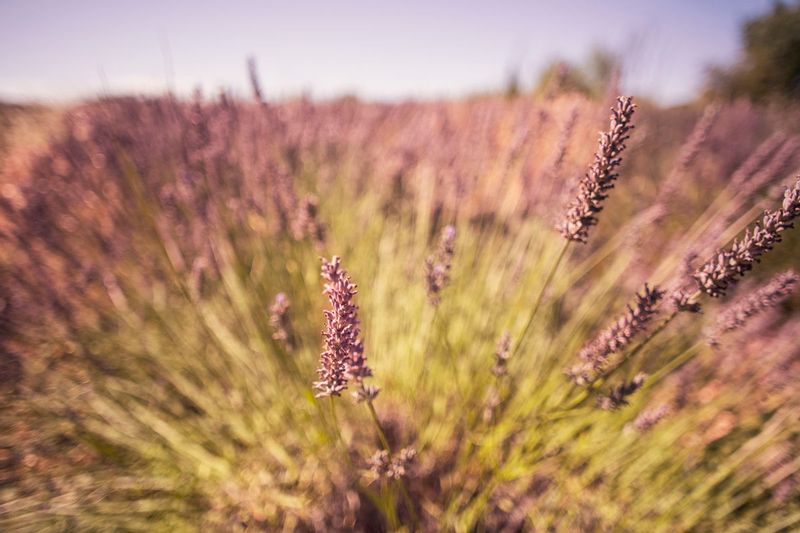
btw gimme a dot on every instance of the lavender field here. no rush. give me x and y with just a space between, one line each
163 304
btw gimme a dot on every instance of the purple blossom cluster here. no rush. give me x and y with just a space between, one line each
616 337
593 188
727 266
343 358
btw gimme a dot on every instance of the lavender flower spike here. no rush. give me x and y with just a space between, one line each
768 296
279 320
650 417
381 464
592 190
616 337
437 268
343 357
618 396
719 272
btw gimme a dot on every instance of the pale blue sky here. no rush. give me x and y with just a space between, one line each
57 50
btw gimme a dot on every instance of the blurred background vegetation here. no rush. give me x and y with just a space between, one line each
769 64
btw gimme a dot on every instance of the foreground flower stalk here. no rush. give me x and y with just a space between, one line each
592 191
729 265
343 358
599 179
343 361
594 357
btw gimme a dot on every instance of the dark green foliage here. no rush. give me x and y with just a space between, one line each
769 65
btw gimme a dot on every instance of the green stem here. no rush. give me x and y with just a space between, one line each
581 398
654 333
385 443
388 510
540 297
650 337
379 427
577 402
336 431
428 341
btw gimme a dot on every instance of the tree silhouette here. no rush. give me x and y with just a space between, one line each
769 65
